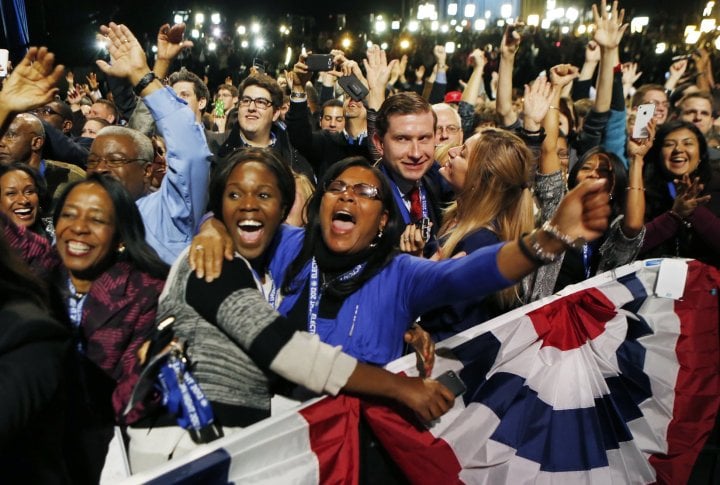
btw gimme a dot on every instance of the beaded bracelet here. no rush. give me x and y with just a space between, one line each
527 252
536 253
554 231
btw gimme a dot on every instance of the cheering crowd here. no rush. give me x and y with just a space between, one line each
292 234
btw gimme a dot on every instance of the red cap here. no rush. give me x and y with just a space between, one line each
453 96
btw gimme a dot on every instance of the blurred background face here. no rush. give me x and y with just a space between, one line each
91 129
333 119
19 198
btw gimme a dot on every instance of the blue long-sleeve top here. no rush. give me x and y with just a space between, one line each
370 322
171 215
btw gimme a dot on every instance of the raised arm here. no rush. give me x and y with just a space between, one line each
676 72
634 219
171 214
560 76
609 29
508 48
31 84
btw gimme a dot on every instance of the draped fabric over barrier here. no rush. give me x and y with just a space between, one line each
606 384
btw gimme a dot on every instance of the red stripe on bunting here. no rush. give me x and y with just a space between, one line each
422 457
569 325
697 390
334 438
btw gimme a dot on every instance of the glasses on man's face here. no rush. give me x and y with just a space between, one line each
366 191
45 111
449 129
112 161
260 103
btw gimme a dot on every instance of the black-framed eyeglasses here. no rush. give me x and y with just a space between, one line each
366 191
45 111
260 103
113 162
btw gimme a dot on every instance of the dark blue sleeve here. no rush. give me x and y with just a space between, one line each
476 240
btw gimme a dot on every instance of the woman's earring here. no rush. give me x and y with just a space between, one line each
121 248
377 238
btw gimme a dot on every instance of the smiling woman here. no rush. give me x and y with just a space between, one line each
683 215
110 280
23 193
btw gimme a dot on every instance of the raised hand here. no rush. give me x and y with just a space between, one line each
420 73
584 211
609 27
536 102
92 81
677 68
440 56
170 41
563 74
377 67
127 57
32 83
592 52
687 199
630 74
477 59
510 41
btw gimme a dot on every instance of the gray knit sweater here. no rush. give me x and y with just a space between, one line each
234 338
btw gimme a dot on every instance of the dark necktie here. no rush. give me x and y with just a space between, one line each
416 212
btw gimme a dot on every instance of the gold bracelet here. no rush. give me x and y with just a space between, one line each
555 107
635 188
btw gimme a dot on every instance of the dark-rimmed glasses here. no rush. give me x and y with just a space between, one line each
366 191
114 162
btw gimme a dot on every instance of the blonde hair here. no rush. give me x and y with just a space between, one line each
496 196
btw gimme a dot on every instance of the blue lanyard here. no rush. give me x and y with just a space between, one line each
272 295
316 291
587 251
400 198
672 189
182 395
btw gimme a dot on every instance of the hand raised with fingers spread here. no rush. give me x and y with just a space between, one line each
32 83
127 57
537 99
609 27
377 67
687 199
630 74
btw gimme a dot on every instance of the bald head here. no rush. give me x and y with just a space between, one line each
23 141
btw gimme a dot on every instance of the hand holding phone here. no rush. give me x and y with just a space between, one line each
319 62
453 382
644 114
